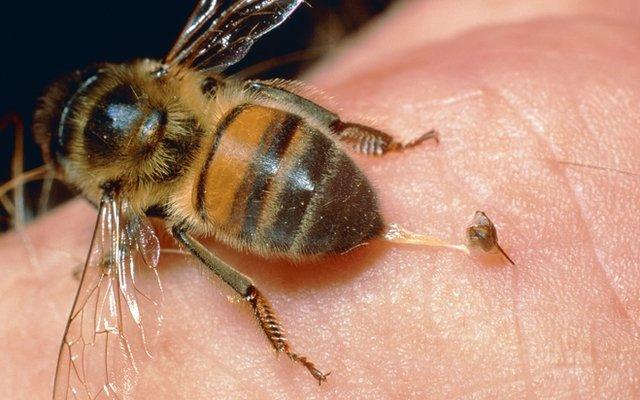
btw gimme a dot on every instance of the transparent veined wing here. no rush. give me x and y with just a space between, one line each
116 317
204 12
219 40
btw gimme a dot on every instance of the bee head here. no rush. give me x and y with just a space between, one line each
107 123
56 108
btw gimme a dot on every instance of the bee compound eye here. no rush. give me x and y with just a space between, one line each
113 118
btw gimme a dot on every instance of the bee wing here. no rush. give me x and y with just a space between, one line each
214 41
204 12
116 315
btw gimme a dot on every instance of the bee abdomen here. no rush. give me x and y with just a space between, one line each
343 213
273 183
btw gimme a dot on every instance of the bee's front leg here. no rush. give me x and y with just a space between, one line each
243 285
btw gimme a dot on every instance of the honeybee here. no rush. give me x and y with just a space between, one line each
253 164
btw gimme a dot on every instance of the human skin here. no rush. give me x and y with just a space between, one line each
512 89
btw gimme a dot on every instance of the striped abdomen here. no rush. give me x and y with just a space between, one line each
276 185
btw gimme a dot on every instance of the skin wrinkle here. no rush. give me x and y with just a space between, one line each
601 263
614 279
618 301
624 315
619 304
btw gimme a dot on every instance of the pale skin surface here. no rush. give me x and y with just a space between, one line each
400 322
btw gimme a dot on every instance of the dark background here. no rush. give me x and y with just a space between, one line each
46 39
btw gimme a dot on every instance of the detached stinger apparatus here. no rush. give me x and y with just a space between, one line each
481 234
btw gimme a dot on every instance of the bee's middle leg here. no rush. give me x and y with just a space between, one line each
262 309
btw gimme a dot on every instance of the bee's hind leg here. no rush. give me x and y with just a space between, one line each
365 139
275 333
262 309
371 141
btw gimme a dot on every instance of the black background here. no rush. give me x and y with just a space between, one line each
44 40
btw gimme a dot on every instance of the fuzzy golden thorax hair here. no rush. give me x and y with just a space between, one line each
123 124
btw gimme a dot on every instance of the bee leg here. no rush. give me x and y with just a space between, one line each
262 309
18 215
364 139
271 326
371 141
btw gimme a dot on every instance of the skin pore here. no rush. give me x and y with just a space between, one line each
511 89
